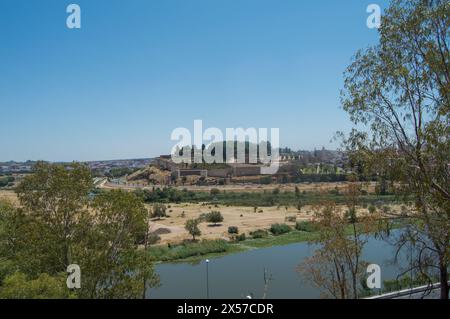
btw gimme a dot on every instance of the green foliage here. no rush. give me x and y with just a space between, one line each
191 226
18 286
233 230
255 199
260 233
159 211
240 237
188 249
6 181
278 229
214 217
306 226
58 224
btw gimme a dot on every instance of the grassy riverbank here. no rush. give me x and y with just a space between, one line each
197 251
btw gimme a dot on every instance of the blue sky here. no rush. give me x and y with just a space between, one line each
117 87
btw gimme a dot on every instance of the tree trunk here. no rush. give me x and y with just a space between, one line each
444 280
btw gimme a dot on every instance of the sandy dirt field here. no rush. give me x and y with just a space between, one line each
245 218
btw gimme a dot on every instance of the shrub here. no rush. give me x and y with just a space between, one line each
278 229
240 237
159 210
386 209
305 226
233 230
260 233
372 209
214 217
188 249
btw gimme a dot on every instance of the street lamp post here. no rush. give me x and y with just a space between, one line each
207 279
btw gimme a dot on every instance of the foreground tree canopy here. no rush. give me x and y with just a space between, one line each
400 90
59 224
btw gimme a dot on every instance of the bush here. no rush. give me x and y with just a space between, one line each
260 233
159 210
189 249
233 230
372 209
214 217
240 237
278 229
305 226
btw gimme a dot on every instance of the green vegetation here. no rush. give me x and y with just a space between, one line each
240 237
59 224
306 226
256 199
260 233
214 217
399 88
19 286
191 226
159 211
6 181
191 250
267 240
279 229
233 230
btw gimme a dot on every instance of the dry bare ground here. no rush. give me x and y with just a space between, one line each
245 218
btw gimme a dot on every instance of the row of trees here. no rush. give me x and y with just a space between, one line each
58 224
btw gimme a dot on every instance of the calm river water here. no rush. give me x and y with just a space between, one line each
241 274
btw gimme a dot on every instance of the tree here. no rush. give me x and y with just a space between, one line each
55 197
18 286
58 222
159 211
399 88
337 267
192 227
110 253
214 217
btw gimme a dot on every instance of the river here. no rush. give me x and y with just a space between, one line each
241 274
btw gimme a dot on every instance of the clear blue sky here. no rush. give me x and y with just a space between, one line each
137 69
